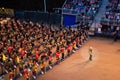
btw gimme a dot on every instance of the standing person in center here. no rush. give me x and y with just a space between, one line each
90 53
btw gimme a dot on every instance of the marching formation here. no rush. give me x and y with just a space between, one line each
29 49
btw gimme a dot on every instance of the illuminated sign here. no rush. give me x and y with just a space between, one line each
7 11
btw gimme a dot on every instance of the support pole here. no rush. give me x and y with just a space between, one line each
45 6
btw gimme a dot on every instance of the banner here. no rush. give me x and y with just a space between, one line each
4 11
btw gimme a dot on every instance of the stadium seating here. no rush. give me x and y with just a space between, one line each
86 9
110 21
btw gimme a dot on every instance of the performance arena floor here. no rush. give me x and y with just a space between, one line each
105 64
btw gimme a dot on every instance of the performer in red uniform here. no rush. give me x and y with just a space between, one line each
68 49
26 74
57 57
11 75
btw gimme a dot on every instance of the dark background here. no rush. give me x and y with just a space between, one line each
37 5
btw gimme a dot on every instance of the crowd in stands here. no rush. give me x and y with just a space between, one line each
110 21
85 8
108 31
113 10
112 14
28 49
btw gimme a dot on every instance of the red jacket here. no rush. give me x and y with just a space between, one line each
50 58
57 54
68 48
9 49
63 50
36 55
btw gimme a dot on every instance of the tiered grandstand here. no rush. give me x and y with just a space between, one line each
110 20
85 9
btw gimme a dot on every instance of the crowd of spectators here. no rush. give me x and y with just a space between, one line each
28 49
112 14
85 8
109 25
